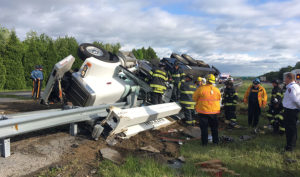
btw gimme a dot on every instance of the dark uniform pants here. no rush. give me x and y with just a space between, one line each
188 113
290 121
175 92
230 113
156 98
253 114
210 120
276 120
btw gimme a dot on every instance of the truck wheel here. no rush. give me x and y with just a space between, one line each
87 50
191 60
179 58
202 64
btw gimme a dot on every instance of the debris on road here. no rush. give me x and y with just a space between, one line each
246 137
150 148
111 155
289 161
226 139
175 163
194 132
215 168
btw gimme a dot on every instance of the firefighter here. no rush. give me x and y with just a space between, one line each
176 75
256 97
159 77
187 90
229 101
275 112
34 80
199 82
291 104
207 98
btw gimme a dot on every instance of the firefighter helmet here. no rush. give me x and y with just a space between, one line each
211 78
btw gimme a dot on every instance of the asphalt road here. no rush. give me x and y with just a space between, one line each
14 96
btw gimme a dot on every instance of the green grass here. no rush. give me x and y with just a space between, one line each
261 156
258 157
135 166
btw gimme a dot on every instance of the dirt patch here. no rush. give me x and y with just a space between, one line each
35 153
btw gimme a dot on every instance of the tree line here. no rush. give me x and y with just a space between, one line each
18 58
273 75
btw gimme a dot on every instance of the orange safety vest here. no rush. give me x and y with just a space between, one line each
207 98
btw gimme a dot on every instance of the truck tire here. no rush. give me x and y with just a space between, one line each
112 58
202 64
191 60
179 58
87 50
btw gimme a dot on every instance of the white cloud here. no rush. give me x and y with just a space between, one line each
236 36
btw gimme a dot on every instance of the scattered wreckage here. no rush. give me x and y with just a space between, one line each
109 93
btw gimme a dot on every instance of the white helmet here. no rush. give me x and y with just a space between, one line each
203 80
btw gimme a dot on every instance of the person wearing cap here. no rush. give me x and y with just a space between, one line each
39 80
199 82
33 77
186 101
275 112
229 101
158 83
177 75
207 98
256 97
291 104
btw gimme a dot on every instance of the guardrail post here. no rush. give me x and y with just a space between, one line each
5 147
73 129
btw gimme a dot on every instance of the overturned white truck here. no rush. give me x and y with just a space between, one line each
108 93
106 78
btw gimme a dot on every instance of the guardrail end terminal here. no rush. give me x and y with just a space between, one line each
5 147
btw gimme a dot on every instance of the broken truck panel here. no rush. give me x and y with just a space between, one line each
120 119
56 75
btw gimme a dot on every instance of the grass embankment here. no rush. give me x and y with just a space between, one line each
258 157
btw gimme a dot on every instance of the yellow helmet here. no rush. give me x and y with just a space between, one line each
211 78
199 79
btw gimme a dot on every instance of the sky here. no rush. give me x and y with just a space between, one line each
240 37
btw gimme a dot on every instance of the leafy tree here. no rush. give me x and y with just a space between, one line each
51 58
31 57
297 66
113 48
4 35
145 54
2 74
12 55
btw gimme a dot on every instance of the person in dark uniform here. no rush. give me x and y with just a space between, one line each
34 80
229 101
275 112
291 104
256 97
176 76
186 101
158 83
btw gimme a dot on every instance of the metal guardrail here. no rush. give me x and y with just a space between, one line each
16 124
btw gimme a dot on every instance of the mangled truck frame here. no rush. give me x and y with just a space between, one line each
108 92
